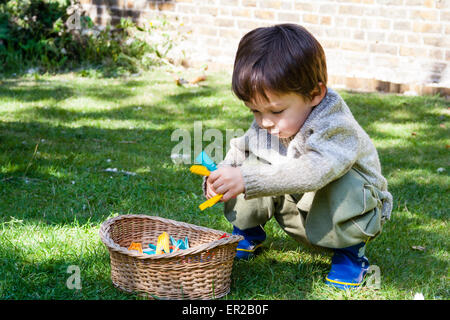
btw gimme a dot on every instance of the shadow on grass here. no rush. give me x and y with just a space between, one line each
67 180
49 279
401 266
27 90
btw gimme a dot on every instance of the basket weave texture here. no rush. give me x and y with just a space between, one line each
201 272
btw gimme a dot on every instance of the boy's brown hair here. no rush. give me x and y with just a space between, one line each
283 58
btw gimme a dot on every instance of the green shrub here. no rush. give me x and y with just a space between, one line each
34 35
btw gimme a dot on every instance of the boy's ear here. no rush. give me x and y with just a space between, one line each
318 94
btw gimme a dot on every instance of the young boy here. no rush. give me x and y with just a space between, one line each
304 161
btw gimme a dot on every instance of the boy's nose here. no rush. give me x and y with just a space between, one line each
267 123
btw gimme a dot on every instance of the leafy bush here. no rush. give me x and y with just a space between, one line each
35 34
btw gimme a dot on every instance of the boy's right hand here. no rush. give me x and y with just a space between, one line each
210 192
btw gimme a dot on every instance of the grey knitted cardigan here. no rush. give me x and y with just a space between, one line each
327 146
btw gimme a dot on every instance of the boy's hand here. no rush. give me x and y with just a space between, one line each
225 180
209 189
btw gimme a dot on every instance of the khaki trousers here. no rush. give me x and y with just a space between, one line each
345 212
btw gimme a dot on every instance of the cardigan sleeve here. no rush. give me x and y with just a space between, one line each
331 150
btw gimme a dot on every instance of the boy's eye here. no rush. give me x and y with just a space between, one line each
254 111
277 112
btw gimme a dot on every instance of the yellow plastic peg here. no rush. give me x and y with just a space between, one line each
210 202
163 243
201 170
204 170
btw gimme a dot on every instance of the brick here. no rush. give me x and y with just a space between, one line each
214 52
383 24
140 4
242 12
359 84
337 32
329 44
233 3
375 36
288 17
247 24
437 54
270 4
354 46
402 25
435 41
414 39
210 31
326 20
249 3
165 6
413 52
118 3
443 4
316 31
264 14
394 13
385 61
224 22
311 18
351 10
417 3
213 41
230 34
340 20
328 9
424 15
429 3
212 11
303 6
286 5
207 2
373 11
352 22
444 15
395 37
185 8
391 2
225 11
384 48
202 20
359 35
367 23
427 27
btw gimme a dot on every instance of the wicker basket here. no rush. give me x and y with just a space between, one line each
201 272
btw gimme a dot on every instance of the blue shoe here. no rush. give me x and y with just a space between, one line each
253 239
348 267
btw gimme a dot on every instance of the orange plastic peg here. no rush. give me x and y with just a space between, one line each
135 246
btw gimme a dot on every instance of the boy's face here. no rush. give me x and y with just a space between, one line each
283 115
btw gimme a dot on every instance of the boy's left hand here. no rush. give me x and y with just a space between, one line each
227 181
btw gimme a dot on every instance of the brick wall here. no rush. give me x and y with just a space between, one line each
386 45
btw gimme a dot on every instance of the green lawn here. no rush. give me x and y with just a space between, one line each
59 133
